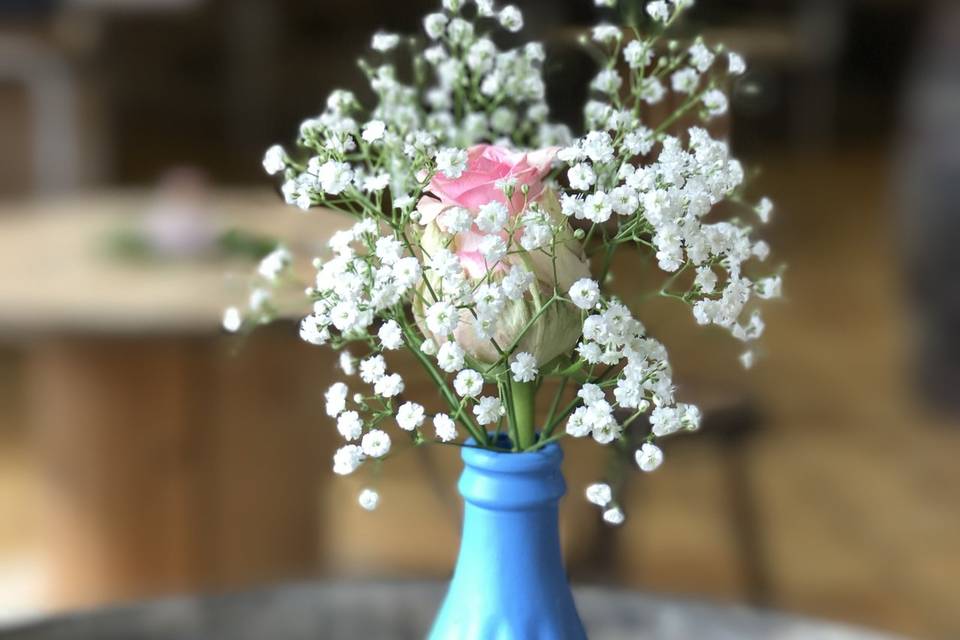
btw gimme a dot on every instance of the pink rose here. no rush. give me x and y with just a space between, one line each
486 165
552 333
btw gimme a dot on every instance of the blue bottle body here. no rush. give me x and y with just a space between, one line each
509 582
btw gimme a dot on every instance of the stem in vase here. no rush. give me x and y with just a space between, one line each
524 409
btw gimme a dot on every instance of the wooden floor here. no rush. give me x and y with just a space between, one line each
855 486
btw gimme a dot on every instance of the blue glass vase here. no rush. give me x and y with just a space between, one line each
509 582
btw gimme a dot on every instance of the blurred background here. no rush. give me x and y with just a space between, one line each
143 453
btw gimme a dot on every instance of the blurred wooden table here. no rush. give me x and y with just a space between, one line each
397 611
172 457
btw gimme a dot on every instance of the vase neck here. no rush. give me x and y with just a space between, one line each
501 481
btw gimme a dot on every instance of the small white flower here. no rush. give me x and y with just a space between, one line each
492 216
701 56
347 363
275 160
368 499
577 424
350 425
488 410
523 365
585 293
445 428
511 19
658 10
274 264
747 359
390 334
374 130
336 399
375 443
591 394
768 288
313 332
450 357
451 162
485 8
715 102
764 209
607 33
232 319
685 80
347 459
637 54
706 279
761 250
334 176
605 3
597 207
468 383
442 318
599 494
384 42
649 457
737 65
614 516
581 177
428 347
455 220
389 386
492 248
410 415
435 24
372 369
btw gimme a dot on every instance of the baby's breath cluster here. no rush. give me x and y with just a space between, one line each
484 234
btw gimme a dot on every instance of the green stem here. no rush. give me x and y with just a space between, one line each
524 394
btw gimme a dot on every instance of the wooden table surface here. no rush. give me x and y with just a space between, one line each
402 610
57 272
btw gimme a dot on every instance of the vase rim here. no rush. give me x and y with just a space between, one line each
544 458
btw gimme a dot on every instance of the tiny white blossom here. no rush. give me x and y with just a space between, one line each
715 102
347 459
455 220
384 42
375 443
637 54
649 457
429 347
347 363
350 425
523 365
389 386
614 516
747 359
435 24
605 3
468 383
390 334
685 80
607 33
492 216
768 288
451 162
410 415
232 319
511 19
336 399
275 160
450 357
585 293
701 56
368 499
442 318
374 130
599 494
485 8
764 209
737 66
581 177
658 10
488 410
597 207
311 331
372 369
275 263
492 248
445 428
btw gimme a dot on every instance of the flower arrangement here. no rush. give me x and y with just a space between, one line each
485 235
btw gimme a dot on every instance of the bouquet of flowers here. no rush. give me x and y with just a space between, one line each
485 234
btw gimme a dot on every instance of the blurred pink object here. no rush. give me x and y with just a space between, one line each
178 222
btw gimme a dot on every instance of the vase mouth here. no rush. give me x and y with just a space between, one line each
506 461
